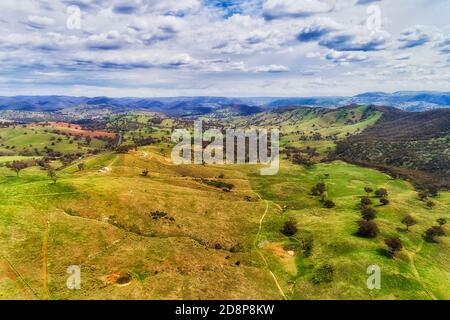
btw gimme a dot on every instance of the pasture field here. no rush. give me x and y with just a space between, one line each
169 235
29 139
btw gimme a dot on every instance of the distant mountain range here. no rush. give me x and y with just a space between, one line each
408 101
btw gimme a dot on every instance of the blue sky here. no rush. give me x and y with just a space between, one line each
224 48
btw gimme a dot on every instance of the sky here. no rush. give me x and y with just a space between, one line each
239 48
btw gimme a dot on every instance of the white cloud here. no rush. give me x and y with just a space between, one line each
39 22
261 47
273 68
275 9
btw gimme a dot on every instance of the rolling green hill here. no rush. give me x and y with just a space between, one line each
215 231
175 237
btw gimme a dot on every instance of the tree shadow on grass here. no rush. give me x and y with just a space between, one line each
384 253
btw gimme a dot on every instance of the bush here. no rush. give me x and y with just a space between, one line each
365 201
381 193
368 190
329 204
155 215
319 189
384 201
431 234
368 229
394 244
289 228
368 214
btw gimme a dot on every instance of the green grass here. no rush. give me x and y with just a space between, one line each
103 222
27 139
335 243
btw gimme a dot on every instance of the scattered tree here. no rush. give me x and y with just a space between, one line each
81 166
319 189
394 244
441 221
368 229
365 201
145 173
384 201
369 214
409 221
18 166
381 193
52 174
433 232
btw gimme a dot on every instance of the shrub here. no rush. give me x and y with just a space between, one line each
289 228
381 193
319 189
368 190
155 215
329 204
433 232
365 201
394 244
368 229
368 214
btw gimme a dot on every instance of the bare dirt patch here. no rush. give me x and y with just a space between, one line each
117 278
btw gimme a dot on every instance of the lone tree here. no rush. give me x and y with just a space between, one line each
52 174
381 193
365 201
368 229
368 214
289 228
18 166
441 221
329 204
431 234
145 173
409 221
394 244
368 190
319 189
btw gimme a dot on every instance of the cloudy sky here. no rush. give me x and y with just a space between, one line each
150 48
